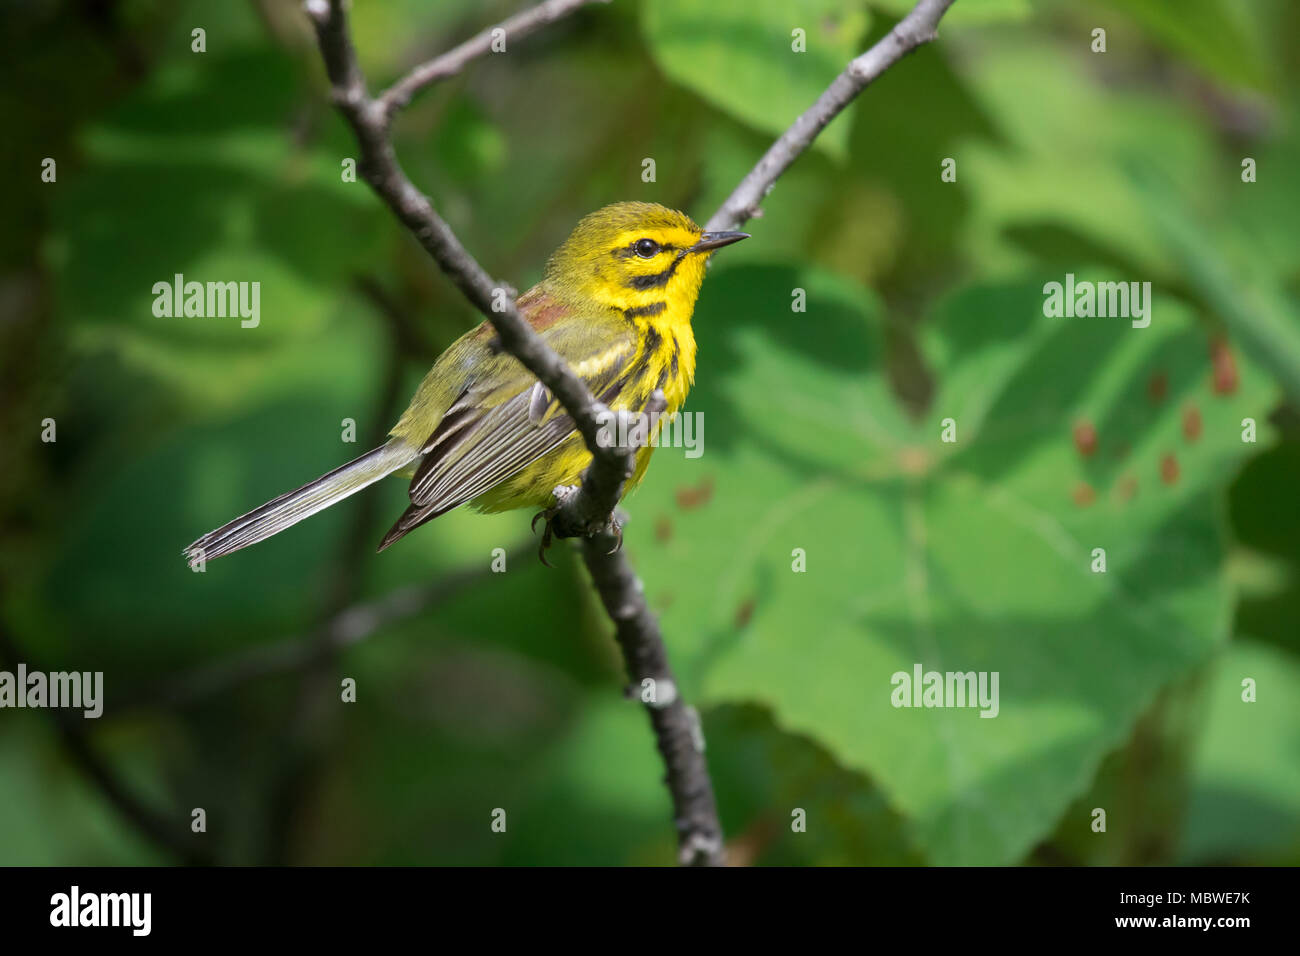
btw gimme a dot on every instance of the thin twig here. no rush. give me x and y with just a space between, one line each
345 629
454 60
916 29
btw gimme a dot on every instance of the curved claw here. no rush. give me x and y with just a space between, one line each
618 544
533 527
549 515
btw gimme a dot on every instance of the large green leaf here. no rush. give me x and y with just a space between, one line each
1224 38
1236 288
741 55
785 802
958 557
1158 198
199 174
1058 164
1246 775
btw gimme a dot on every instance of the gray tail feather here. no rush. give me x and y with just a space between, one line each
288 509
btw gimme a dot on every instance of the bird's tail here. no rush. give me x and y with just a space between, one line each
288 509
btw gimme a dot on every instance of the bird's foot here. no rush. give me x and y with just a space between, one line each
562 493
615 528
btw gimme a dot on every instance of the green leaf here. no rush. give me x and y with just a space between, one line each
973 556
121 536
1070 134
1219 36
1267 324
199 174
53 815
1246 774
1265 562
767 781
1158 198
741 56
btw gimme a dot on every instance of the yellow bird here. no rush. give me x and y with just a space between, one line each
615 302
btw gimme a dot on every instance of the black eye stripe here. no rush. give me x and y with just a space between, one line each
628 252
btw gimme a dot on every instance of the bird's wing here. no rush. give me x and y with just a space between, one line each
504 419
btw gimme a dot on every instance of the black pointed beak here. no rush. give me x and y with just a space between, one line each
716 240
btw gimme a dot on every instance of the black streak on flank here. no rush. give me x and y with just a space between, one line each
652 341
657 280
670 370
645 311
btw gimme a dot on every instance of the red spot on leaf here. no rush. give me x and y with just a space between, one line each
1128 488
694 497
1158 387
1085 438
1083 494
1169 469
1225 367
744 613
1191 423
663 528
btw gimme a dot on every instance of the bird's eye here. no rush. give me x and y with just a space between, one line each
646 248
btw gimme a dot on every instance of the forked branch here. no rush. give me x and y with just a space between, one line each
590 512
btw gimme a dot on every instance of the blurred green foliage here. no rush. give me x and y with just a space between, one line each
924 298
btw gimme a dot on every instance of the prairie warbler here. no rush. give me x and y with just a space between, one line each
615 302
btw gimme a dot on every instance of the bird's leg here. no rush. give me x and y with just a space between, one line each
562 494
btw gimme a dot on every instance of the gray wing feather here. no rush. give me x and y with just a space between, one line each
507 439
472 450
508 443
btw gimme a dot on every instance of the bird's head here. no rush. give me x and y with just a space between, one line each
635 256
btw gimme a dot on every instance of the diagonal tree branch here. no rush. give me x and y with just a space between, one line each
344 629
590 512
454 60
916 29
